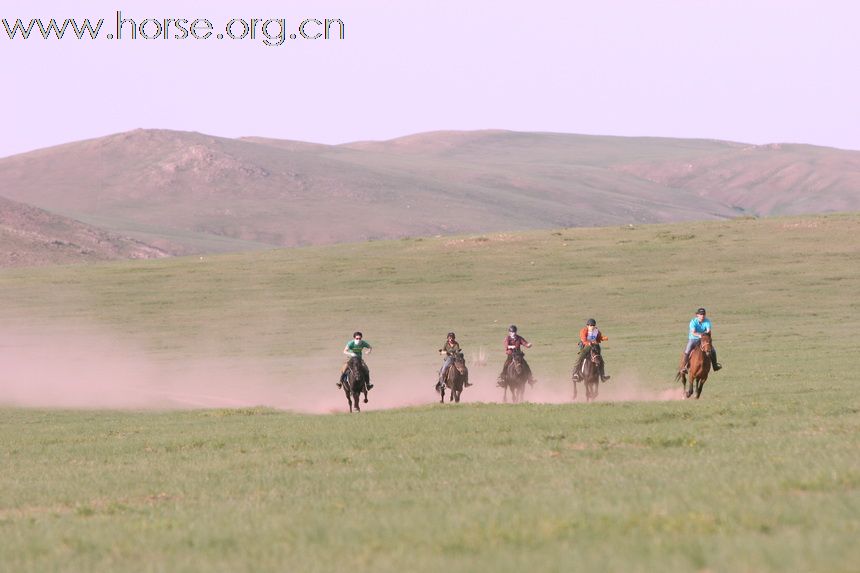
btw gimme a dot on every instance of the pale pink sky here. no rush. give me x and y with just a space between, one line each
755 70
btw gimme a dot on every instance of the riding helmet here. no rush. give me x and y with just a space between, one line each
591 322
700 311
513 328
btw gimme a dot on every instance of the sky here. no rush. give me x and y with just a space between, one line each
757 71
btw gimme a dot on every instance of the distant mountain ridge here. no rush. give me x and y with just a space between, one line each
188 193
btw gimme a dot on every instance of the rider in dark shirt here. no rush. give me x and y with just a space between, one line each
514 342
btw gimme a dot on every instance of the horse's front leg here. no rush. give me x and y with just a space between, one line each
699 385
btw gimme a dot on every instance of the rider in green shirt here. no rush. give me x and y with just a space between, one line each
354 348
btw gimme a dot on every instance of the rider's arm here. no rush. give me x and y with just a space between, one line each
693 332
347 351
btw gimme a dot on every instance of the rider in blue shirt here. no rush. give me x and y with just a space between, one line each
699 325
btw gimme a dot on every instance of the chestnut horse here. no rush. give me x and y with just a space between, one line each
355 383
455 378
700 367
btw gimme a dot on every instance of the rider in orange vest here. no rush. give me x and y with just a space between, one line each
589 336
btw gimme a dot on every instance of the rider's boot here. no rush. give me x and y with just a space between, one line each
603 376
686 367
714 364
466 384
342 379
577 375
369 384
500 381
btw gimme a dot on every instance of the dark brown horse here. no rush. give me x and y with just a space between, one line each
516 376
589 373
455 378
700 367
355 383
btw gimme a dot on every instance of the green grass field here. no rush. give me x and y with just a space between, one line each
762 474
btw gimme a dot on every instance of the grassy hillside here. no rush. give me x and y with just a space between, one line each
760 475
298 307
194 193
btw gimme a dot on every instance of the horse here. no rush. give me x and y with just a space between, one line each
355 383
590 373
516 375
700 367
455 378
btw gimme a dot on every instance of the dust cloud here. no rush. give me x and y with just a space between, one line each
79 368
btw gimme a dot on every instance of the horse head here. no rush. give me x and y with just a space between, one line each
460 363
705 343
517 358
354 365
594 354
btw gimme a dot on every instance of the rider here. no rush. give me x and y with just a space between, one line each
513 342
589 336
354 348
450 349
699 325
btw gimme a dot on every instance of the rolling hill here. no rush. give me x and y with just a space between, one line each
187 193
33 237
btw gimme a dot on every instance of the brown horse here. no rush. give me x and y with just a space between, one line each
590 373
516 376
455 378
355 382
700 367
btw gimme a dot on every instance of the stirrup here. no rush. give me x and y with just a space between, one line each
369 386
717 366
